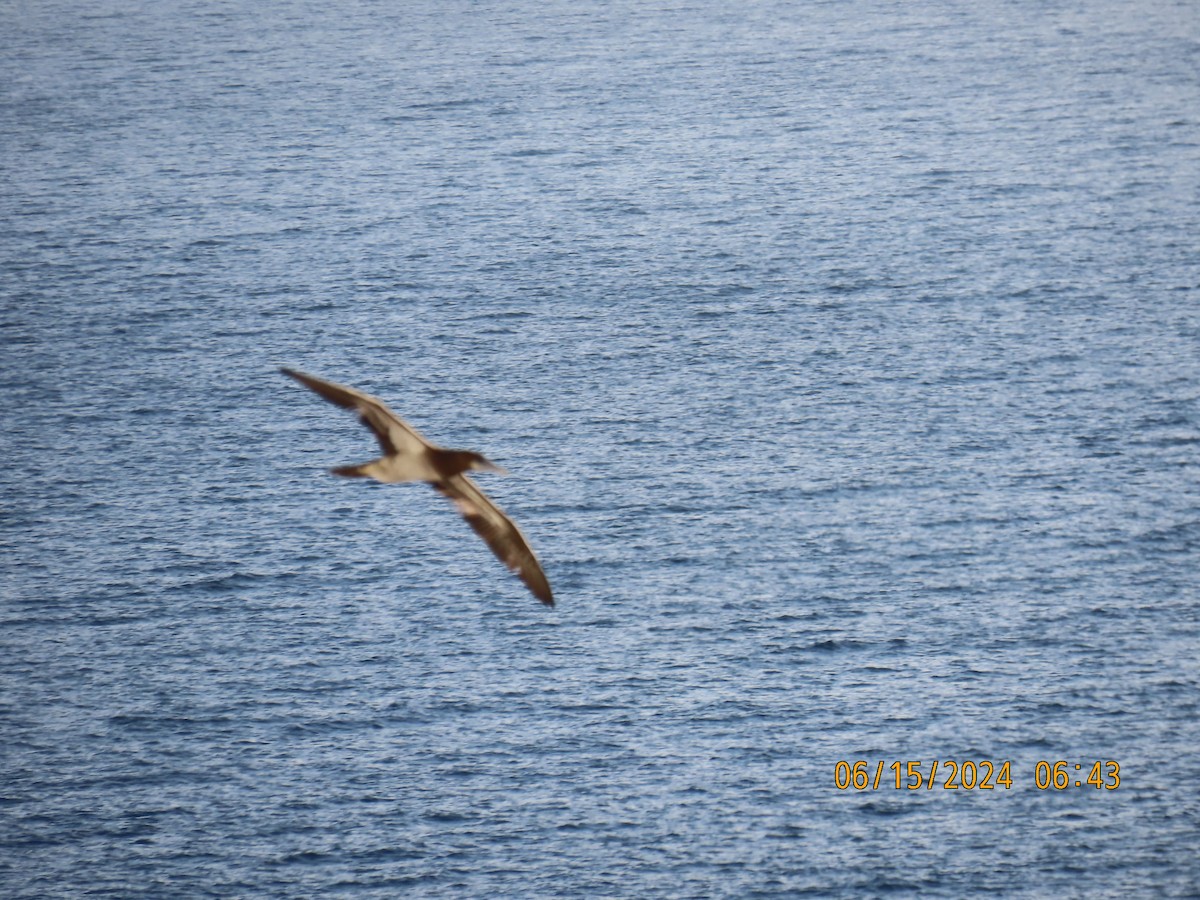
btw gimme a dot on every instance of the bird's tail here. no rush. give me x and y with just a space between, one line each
351 471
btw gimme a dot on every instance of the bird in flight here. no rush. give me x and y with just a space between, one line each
409 457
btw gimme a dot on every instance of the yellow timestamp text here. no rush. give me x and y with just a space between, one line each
972 775
1060 775
913 775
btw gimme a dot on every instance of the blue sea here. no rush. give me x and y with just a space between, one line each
846 360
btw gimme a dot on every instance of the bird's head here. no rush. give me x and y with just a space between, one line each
479 463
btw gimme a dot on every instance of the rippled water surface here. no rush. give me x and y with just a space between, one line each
846 357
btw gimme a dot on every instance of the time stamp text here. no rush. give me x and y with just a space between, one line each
974 775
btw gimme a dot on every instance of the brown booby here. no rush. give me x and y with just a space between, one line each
409 457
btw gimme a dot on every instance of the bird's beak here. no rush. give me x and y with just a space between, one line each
488 466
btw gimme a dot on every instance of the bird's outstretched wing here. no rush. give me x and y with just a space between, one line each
499 532
395 436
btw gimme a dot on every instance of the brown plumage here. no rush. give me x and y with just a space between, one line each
409 457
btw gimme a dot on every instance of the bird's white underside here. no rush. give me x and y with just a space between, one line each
393 469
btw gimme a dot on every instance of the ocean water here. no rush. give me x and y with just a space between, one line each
846 357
